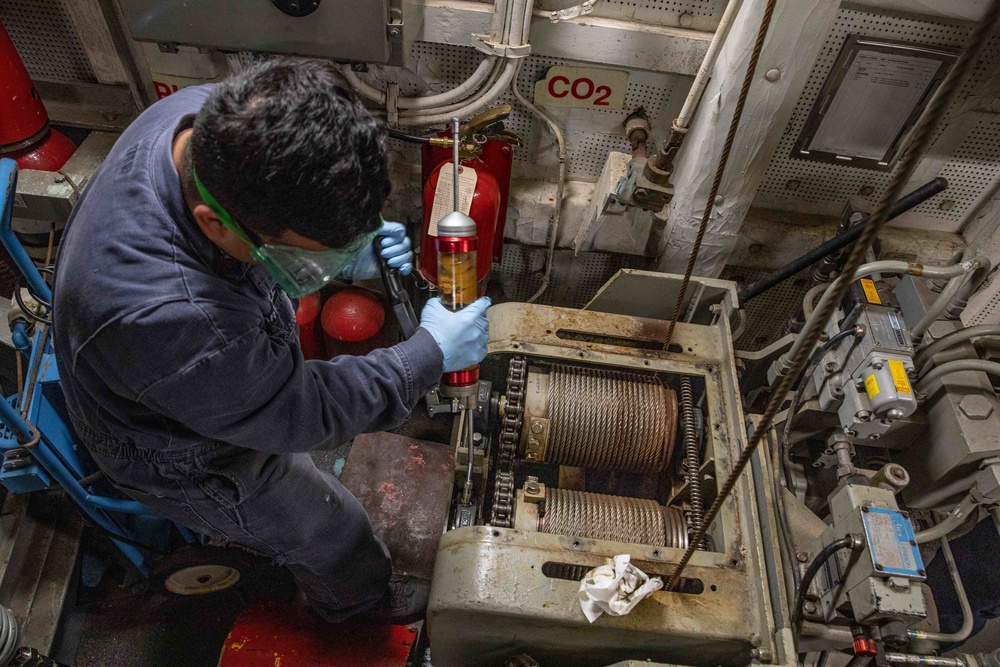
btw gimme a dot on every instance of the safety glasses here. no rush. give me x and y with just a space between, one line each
296 270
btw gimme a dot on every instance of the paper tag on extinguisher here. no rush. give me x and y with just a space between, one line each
444 197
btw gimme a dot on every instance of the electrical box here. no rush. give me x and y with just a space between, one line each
369 31
883 580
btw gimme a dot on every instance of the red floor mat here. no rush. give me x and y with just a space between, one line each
286 634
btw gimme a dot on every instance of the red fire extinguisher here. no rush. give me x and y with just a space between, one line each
487 152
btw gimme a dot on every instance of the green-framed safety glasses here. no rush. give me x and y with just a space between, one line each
296 270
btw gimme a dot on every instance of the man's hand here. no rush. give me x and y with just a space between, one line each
395 247
462 336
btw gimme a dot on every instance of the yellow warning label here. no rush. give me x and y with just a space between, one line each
899 376
871 293
871 384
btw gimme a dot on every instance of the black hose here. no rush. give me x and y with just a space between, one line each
846 542
778 455
402 136
23 282
904 204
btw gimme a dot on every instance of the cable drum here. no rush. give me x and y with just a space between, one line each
609 420
615 518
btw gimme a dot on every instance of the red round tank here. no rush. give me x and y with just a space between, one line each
24 124
49 155
485 210
22 114
352 315
307 317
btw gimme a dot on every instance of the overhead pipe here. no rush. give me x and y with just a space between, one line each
661 165
902 205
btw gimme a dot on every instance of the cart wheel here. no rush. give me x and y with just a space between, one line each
200 570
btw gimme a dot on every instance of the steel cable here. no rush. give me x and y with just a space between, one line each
727 148
615 518
609 420
918 143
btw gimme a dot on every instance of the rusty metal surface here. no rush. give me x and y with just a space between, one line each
490 595
405 485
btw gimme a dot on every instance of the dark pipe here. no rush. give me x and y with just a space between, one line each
846 542
396 134
904 204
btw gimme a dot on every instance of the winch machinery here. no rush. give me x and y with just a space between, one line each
596 443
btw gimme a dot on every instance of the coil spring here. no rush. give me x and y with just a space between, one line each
610 420
692 457
615 518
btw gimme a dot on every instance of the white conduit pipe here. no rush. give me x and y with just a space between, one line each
553 232
456 94
478 106
511 25
448 110
707 65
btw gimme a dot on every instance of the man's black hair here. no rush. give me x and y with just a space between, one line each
286 145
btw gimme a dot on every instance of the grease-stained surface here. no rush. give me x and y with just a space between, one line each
405 485
282 634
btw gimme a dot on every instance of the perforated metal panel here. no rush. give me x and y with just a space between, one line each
972 166
590 134
984 307
768 313
46 39
573 282
696 14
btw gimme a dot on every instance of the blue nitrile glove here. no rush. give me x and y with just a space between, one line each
462 336
396 248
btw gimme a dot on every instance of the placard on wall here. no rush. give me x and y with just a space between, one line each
872 98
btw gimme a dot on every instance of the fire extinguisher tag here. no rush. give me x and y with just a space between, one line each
444 197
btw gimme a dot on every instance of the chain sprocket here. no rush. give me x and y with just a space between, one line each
510 432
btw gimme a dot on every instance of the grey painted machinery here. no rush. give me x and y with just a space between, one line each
890 444
601 444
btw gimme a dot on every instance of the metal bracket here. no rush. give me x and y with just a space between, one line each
535 438
482 43
637 190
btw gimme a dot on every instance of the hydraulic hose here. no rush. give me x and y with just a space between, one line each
852 542
954 338
968 621
957 366
956 518
941 304
403 136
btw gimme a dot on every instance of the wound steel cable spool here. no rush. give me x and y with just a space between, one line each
615 518
602 419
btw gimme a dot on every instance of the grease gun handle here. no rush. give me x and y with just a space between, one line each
395 290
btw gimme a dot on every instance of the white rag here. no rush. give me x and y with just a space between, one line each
615 589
